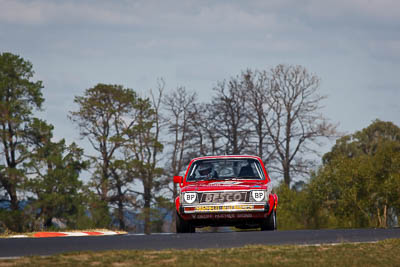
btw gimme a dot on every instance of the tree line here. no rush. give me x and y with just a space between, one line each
358 184
138 143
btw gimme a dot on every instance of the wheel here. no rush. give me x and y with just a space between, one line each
269 224
183 226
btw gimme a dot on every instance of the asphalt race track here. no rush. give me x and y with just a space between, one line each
14 247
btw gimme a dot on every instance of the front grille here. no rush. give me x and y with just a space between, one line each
224 197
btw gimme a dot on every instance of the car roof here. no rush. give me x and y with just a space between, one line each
227 156
232 157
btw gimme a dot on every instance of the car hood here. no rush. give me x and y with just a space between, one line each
225 185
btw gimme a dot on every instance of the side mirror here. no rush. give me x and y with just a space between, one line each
178 179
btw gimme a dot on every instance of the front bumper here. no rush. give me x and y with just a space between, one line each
225 208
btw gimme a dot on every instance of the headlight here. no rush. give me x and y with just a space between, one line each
189 197
258 195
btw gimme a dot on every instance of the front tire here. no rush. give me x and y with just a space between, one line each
269 224
183 226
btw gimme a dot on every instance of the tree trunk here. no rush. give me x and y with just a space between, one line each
120 203
48 222
104 181
146 210
385 216
12 193
121 220
286 173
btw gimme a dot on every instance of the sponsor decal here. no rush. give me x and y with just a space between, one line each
258 195
223 208
189 197
221 197
227 216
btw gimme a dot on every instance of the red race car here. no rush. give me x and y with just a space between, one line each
225 191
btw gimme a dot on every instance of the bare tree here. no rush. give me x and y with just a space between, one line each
257 112
178 106
205 139
229 111
294 122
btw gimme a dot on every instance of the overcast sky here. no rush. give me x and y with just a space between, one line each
352 45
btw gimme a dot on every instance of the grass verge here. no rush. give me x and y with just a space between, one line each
382 253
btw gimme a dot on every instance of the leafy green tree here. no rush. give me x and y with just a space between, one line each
292 208
107 116
145 147
19 96
162 208
54 169
359 180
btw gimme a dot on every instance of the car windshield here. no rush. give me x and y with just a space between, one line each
225 169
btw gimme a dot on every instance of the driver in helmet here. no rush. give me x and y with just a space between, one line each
205 170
